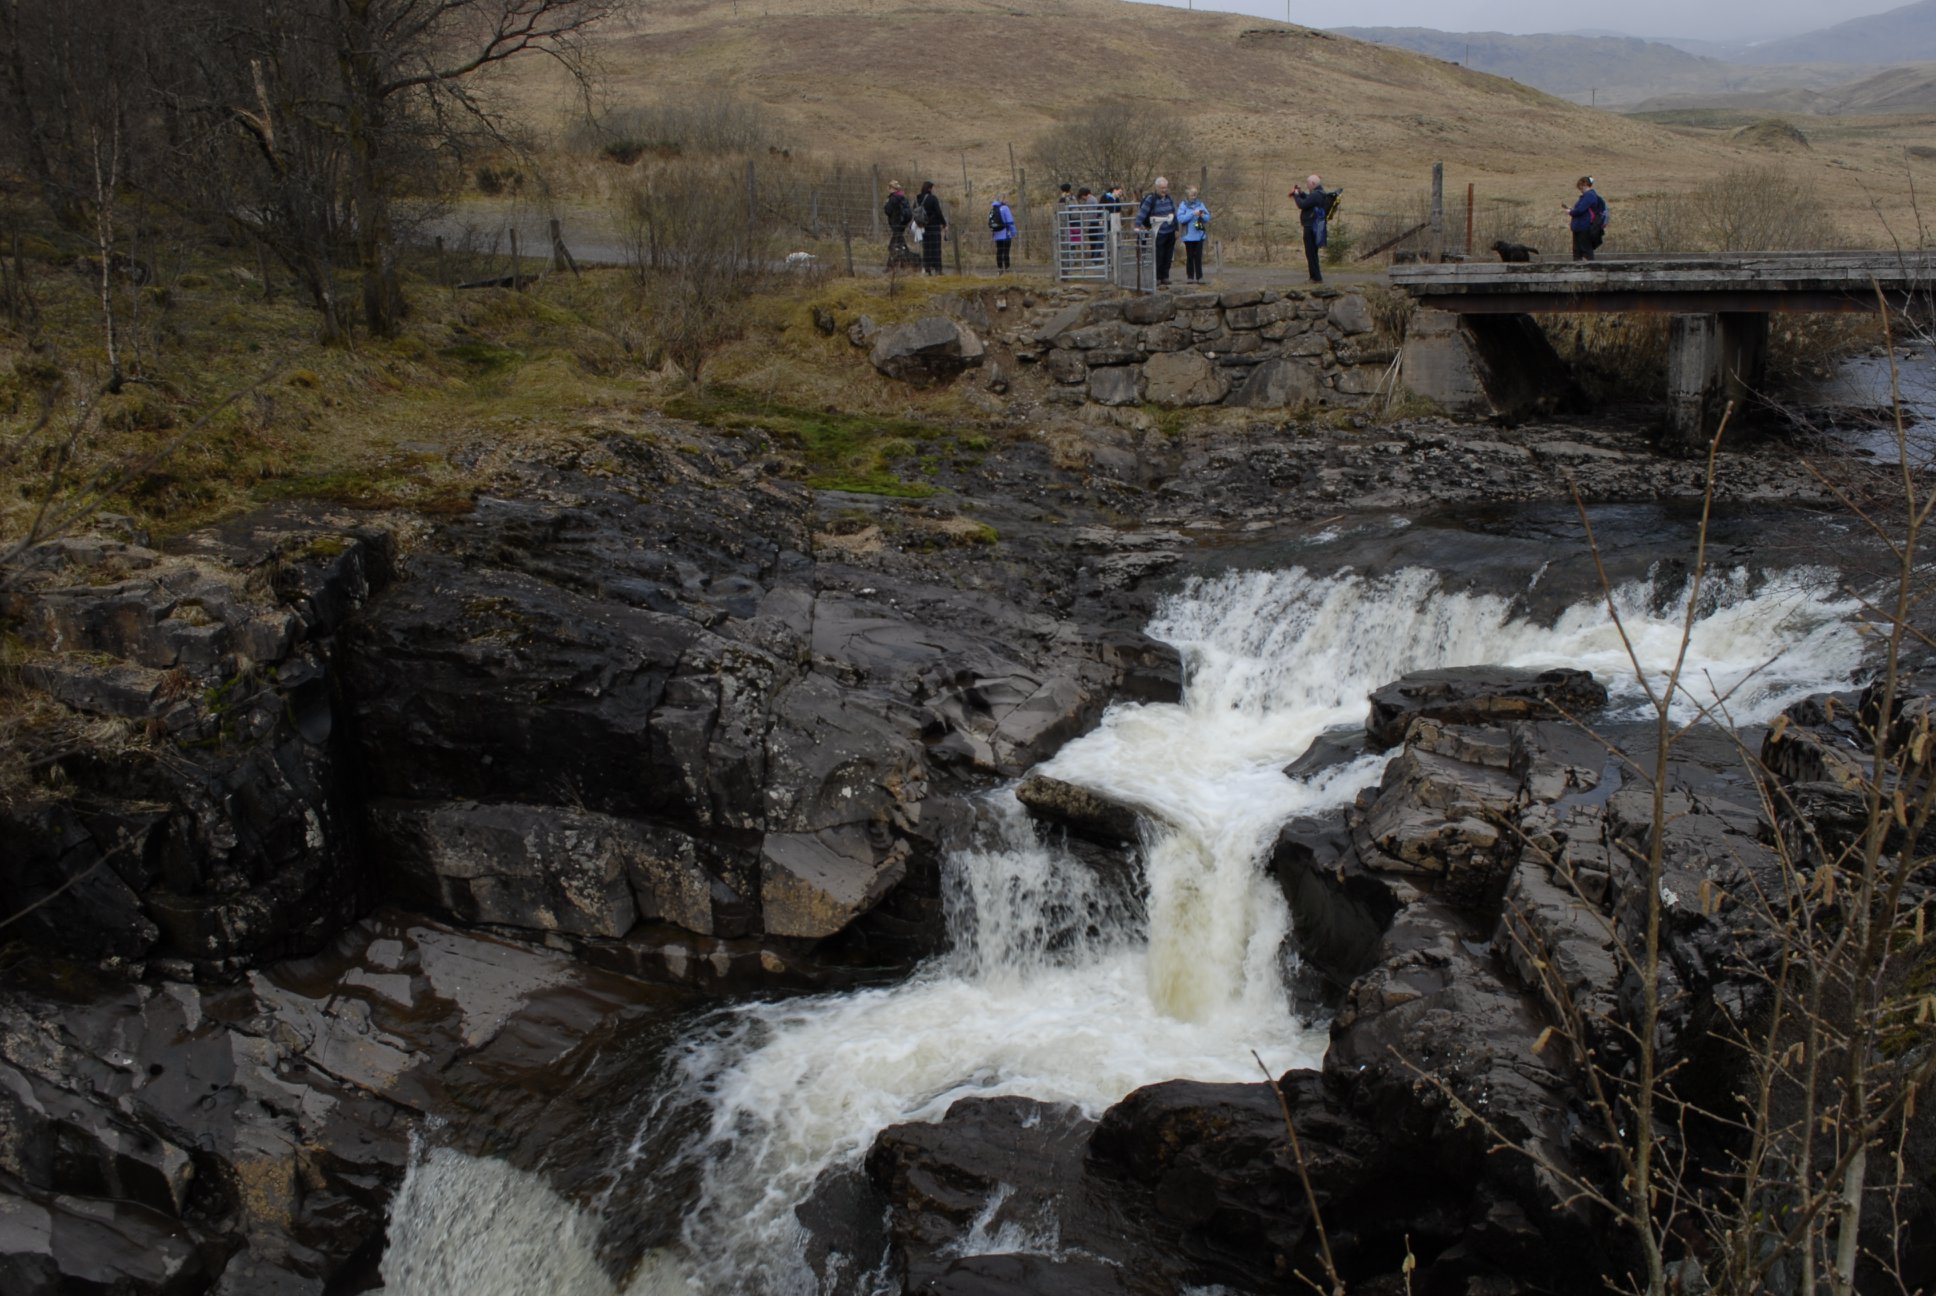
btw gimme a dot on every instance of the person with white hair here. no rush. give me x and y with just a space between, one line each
1314 213
1158 213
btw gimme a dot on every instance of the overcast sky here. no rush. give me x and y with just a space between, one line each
1728 20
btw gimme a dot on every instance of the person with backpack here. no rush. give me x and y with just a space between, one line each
1193 218
900 214
1588 220
1001 226
1314 207
1157 214
928 215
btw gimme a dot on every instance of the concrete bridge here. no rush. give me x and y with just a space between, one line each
1485 344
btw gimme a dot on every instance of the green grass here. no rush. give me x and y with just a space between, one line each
836 451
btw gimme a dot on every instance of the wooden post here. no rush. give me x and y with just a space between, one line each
1021 194
813 212
517 267
561 258
752 193
877 201
1468 218
954 230
1438 211
1014 188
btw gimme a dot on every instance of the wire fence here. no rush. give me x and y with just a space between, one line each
834 210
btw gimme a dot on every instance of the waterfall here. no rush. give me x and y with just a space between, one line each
1056 989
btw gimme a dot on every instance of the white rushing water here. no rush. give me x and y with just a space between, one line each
1054 988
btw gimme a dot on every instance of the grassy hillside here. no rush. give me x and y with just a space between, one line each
943 86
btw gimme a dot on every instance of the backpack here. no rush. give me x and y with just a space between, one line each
995 222
1596 220
1331 201
897 210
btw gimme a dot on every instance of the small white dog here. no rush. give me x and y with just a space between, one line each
801 260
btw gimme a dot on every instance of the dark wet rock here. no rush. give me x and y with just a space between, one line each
1339 907
540 867
216 826
1025 1275
162 1134
1466 695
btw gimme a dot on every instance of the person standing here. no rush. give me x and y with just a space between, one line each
1588 220
1313 213
1158 214
1194 220
927 211
900 214
1001 224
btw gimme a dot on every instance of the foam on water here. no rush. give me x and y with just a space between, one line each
1056 989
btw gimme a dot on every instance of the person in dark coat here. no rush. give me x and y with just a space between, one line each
1313 210
1158 214
900 214
1587 218
927 209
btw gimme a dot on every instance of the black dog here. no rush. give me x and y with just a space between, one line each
1514 251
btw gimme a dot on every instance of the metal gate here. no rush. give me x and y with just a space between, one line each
1094 244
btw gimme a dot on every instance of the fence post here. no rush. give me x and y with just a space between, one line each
561 258
517 279
1021 195
813 212
752 193
875 208
1468 218
1438 211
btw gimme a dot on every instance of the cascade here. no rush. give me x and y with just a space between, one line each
1056 988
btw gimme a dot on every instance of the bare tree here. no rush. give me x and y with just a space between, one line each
697 250
1117 142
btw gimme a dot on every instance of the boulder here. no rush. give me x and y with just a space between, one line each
1350 315
931 349
1119 384
1079 811
815 884
1279 384
1153 309
1183 378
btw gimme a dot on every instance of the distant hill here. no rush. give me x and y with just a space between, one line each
1603 70
1897 90
1573 66
1905 35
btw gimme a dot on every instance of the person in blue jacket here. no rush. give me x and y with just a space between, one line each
1588 220
1001 223
1194 220
1158 214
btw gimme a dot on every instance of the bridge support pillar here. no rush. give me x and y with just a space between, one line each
1489 365
1712 360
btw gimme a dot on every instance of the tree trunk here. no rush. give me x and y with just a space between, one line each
369 195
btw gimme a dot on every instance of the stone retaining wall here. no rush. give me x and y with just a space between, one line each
1261 349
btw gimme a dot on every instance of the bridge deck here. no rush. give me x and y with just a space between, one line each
1759 282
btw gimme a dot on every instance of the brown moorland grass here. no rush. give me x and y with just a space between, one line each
940 83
